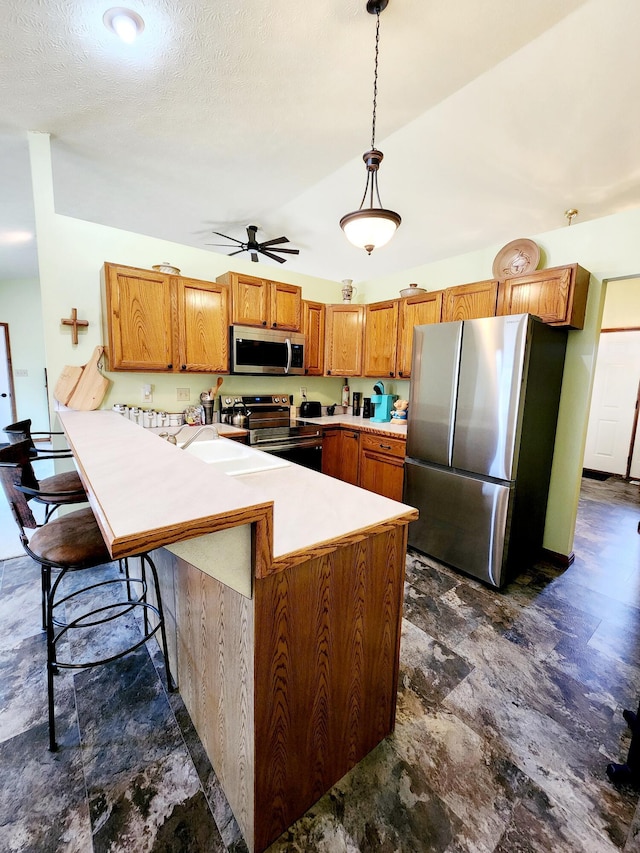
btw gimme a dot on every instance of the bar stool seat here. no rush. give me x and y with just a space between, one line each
73 539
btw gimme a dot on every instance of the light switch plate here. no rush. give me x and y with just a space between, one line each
184 395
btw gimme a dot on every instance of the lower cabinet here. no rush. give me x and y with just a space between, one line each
341 454
382 465
373 462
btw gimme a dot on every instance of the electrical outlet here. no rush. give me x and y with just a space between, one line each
184 395
147 394
303 393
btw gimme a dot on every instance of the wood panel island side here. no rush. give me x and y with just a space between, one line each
283 592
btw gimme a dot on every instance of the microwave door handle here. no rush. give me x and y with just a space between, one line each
288 343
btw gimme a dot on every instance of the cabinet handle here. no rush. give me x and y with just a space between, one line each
274 325
391 373
328 373
264 322
169 367
400 373
385 446
183 367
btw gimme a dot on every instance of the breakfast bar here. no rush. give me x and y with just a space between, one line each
283 594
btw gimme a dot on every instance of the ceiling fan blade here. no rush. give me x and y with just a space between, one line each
238 252
272 256
224 245
254 257
275 241
288 251
227 237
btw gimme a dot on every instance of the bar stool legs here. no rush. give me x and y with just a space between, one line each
99 612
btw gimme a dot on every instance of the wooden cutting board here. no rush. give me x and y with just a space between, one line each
91 387
66 384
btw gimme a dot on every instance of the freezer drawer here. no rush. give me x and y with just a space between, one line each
463 521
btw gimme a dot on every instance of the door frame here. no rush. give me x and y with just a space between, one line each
12 391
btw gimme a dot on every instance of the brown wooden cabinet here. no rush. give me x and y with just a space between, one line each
258 302
380 338
416 310
343 340
382 465
162 323
313 328
341 454
469 301
558 295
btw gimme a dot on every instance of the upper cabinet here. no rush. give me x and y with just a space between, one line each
558 296
203 325
343 340
313 328
380 336
470 301
258 302
162 323
416 310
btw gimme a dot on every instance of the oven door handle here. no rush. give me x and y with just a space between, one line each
294 445
313 437
288 365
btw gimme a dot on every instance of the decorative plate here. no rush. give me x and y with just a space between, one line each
518 257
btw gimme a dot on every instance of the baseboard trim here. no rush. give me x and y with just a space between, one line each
561 561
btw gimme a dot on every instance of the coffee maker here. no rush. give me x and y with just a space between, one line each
357 396
383 406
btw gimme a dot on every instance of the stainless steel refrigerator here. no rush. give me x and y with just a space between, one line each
483 407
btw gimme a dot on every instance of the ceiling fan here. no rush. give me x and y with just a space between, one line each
251 245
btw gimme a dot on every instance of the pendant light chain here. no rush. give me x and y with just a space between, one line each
375 81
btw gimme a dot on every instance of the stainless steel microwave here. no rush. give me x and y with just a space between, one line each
256 351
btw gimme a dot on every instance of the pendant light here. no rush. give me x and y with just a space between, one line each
371 227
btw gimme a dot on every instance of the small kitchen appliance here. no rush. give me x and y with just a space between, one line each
383 406
357 396
310 409
366 407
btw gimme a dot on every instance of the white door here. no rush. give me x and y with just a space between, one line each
615 391
7 408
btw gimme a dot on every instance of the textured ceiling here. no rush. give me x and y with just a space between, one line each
493 116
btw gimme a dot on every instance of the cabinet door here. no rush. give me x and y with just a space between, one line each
203 325
380 338
343 340
139 314
382 465
417 310
313 328
285 306
558 296
341 454
250 300
350 456
469 301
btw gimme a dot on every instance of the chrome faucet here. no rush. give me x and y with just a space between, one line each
198 432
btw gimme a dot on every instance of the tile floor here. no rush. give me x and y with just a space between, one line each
509 710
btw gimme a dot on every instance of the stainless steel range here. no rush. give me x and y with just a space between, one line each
268 419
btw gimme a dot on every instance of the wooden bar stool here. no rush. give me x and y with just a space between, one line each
74 543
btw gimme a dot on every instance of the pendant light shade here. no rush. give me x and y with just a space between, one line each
372 226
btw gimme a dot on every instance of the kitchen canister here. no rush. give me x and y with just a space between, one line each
121 409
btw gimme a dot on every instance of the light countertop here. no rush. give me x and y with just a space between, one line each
396 428
148 493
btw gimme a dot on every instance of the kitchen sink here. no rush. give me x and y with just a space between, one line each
233 458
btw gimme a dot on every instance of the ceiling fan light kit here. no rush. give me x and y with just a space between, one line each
371 227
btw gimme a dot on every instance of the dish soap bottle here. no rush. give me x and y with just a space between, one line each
345 394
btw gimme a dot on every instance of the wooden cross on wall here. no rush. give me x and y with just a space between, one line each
74 323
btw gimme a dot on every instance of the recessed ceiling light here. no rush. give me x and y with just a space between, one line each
127 25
